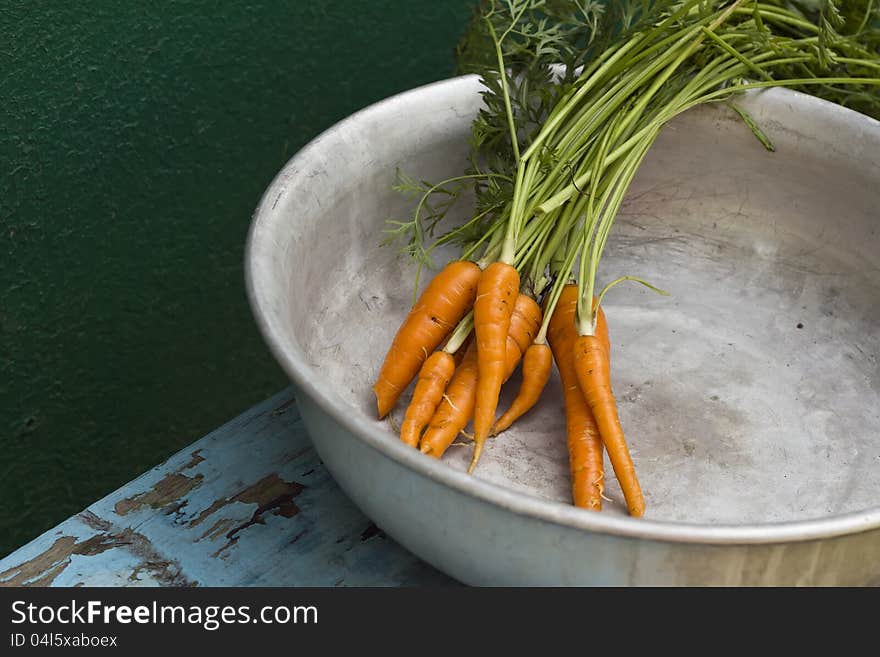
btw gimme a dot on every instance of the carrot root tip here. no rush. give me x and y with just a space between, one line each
478 450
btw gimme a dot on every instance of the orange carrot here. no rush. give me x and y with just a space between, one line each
525 321
433 378
496 295
455 408
591 362
585 457
440 307
536 366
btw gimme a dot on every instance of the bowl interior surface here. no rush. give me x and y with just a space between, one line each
750 395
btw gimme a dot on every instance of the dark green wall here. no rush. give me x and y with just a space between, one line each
135 141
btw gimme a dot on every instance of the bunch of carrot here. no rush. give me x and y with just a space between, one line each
546 204
509 327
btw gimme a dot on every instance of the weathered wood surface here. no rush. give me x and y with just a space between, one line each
247 505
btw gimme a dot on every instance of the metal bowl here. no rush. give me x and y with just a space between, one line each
750 397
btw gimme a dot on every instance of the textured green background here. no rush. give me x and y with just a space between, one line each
135 140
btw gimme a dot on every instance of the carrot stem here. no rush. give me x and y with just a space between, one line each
460 334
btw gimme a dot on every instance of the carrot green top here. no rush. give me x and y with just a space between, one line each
585 90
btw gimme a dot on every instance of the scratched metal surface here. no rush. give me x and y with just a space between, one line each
248 505
759 372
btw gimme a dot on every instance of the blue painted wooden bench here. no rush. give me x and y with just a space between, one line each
247 505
